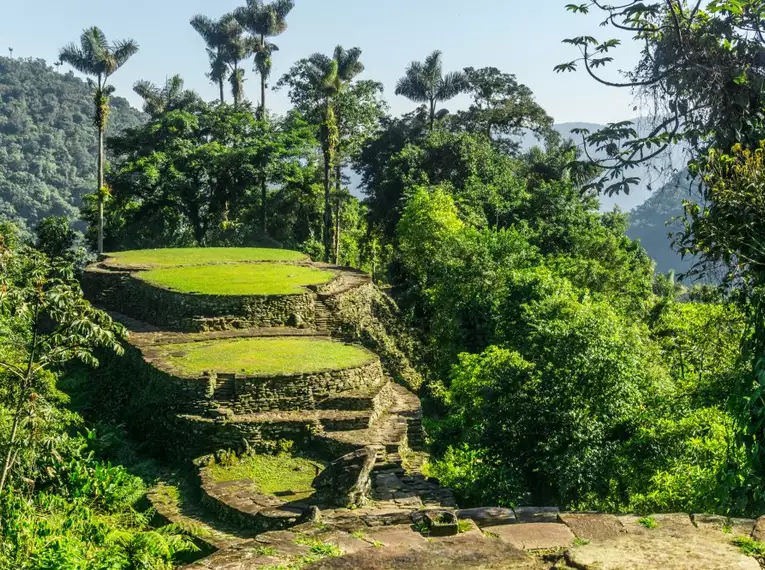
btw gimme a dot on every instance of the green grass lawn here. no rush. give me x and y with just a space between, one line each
237 279
273 474
200 255
264 356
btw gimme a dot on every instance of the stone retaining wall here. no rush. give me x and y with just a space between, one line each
365 314
123 292
253 394
177 415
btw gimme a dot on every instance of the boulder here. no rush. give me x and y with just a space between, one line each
346 481
758 532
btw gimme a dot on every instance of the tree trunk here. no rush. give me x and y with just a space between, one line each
327 203
101 127
432 113
263 202
235 85
222 90
263 81
338 199
7 462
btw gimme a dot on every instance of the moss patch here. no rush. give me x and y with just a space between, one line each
202 255
264 356
241 279
282 475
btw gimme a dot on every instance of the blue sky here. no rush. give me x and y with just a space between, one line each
521 37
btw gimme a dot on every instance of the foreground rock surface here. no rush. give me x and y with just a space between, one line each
458 552
617 543
701 549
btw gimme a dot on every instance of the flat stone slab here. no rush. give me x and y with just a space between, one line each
592 526
456 553
536 514
488 516
690 550
395 536
535 536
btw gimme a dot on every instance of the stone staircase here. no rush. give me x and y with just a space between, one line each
324 321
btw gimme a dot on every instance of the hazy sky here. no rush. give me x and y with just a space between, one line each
518 36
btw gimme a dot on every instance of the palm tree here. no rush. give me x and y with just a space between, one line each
96 57
264 21
160 100
425 82
348 67
329 77
226 47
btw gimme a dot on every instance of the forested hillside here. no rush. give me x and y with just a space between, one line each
48 140
653 221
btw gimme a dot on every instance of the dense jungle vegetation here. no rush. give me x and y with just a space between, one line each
560 367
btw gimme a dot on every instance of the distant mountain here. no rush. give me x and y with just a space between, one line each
654 220
48 141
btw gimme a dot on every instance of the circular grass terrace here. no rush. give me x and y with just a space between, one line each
264 356
200 255
244 279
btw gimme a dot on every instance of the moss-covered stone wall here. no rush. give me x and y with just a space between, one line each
121 291
365 314
299 391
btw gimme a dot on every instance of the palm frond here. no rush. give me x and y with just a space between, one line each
412 87
122 50
452 85
75 56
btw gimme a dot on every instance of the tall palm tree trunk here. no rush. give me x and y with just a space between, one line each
263 82
101 196
101 102
222 90
432 113
263 202
338 206
327 204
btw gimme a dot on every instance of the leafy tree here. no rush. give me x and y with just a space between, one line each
315 85
54 237
195 169
53 325
264 21
483 181
701 66
359 112
429 220
172 96
425 82
578 358
502 108
97 58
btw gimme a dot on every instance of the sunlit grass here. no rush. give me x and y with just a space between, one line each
242 279
200 255
281 475
264 356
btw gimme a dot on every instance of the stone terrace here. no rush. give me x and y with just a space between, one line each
327 413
